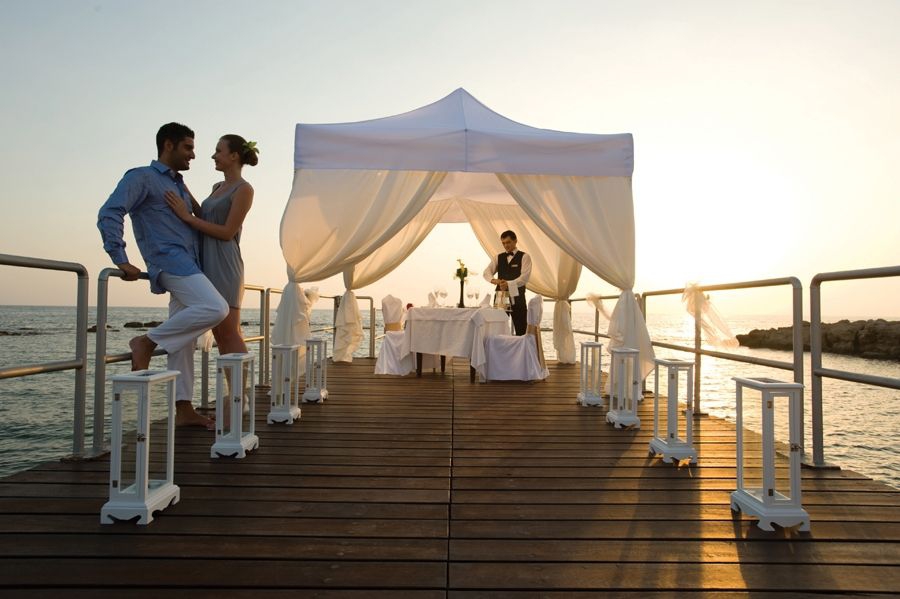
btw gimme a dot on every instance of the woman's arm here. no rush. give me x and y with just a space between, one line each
240 206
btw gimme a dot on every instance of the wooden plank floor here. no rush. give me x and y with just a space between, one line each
435 487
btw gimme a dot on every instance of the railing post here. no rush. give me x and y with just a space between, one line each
815 358
797 333
100 357
266 332
371 328
81 326
264 342
698 411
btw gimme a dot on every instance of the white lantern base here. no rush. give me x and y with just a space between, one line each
750 502
228 448
621 418
160 495
589 400
676 450
314 395
282 415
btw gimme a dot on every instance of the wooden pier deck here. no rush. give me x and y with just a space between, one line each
435 487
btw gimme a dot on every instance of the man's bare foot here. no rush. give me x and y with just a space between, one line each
186 415
141 351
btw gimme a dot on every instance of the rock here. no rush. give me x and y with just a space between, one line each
152 323
874 339
133 325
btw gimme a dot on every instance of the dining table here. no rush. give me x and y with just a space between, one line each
454 332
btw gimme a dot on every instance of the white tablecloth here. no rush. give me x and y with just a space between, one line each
457 332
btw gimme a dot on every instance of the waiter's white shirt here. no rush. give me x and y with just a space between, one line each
514 285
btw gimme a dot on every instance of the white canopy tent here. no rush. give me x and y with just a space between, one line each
365 195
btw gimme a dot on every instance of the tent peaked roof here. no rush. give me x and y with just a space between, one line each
460 134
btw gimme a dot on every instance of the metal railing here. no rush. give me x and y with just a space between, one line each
815 346
79 362
796 329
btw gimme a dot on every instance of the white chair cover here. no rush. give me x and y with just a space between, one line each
391 358
512 358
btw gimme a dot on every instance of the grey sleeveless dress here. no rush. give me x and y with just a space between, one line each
221 260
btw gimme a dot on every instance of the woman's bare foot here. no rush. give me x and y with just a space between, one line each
141 351
186 415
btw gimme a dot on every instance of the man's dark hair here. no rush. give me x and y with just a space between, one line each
174 132
508 234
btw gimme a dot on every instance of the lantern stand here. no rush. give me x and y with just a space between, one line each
767 503
316 371
232 441
624 388
670 445
590 394
144 496
285 393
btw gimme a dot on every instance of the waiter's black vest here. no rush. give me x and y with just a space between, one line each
512 269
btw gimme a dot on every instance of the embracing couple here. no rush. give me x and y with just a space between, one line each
191 251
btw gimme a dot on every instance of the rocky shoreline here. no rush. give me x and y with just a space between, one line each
874 339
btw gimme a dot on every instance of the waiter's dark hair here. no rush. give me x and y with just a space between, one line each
173 132
508 234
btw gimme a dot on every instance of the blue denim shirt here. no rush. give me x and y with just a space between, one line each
167 243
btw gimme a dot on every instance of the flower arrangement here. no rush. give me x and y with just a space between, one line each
462 272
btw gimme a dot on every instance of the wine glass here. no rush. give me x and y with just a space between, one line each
477 293
470 293
442 292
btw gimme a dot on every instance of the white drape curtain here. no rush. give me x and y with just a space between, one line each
554 273
348 326
714 327
292 322
592 220
336 218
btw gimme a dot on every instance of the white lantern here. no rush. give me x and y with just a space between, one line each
285 398
669 444
132 493
316 371
236 432
624 388
772 505
591 361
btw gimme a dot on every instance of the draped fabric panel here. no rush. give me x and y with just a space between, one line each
292 321
349 331
335 218
592 220
715 329
554 273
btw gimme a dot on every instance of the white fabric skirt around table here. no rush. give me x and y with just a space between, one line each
454 332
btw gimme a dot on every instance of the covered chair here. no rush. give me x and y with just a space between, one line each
392 357
512 358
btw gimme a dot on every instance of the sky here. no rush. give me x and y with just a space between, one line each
767 133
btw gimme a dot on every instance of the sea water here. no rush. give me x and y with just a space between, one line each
36 412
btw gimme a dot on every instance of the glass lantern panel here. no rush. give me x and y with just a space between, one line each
781 417
226 398
128 402
752 447
592 384
246 396
667 389
156 444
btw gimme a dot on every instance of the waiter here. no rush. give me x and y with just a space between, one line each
513 269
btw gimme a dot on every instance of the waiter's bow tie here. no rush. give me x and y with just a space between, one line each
511 253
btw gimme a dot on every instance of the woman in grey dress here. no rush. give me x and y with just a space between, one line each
219 220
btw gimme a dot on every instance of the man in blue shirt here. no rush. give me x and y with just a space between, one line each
170 249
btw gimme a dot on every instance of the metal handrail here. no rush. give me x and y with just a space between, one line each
79 363
797 332
815 348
